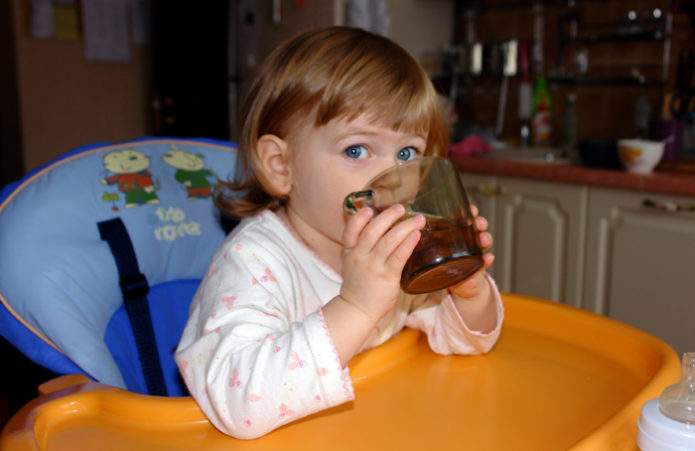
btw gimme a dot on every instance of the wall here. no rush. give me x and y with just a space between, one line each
65 101
421 26
10 138
313 13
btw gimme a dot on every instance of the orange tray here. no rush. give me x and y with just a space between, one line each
558 378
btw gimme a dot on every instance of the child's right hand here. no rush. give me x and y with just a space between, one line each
375 252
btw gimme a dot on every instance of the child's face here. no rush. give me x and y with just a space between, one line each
329 162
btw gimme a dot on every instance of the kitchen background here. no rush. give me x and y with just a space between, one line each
613 56
193 60
618 60
618 64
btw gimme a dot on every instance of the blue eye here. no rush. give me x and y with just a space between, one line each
356 152
407 153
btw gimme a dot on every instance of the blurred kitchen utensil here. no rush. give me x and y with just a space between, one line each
476 58
683 101
509 69
525 88
671 133
525 107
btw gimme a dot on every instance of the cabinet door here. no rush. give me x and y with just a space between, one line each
482 192
540 236
639 264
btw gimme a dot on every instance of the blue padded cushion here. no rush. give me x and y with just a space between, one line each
60 301
168 304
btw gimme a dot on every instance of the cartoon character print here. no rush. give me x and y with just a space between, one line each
190 172
130 169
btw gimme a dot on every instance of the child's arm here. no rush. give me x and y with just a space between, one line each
475 298
476 303
466 318
256 353
375 254
253 354
451 329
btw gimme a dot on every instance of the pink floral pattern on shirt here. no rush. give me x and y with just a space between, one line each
256 352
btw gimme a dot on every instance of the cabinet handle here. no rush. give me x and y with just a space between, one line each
668 206
487 190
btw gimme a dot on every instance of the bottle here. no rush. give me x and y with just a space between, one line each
643 111
569 129
668 423
525 97
541 125
678 400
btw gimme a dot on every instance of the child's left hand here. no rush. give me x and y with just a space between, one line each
474 297
472 286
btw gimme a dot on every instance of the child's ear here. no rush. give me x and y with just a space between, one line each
273 156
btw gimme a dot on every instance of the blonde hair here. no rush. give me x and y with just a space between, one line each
329 73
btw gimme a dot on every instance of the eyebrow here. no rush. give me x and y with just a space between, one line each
353 130
362 131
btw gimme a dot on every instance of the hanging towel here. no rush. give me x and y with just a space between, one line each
371 15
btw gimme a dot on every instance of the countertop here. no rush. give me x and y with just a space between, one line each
660 181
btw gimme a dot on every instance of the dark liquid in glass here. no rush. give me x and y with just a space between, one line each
446 254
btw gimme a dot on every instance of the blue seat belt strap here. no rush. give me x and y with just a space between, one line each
134 288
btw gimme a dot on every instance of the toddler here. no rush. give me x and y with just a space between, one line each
297 289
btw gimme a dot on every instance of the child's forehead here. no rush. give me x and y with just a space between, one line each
371 121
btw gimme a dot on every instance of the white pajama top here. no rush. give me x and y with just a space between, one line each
256 352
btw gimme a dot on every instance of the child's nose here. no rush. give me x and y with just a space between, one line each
388 163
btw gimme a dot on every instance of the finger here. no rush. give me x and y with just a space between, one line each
488 259
474 210
403 251
485 240
378 226
354 227
481 223
398 233
397 245
469 286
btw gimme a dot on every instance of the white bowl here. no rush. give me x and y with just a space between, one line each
639 155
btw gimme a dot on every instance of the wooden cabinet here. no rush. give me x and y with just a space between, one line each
639 263
538 230
596 248
480 189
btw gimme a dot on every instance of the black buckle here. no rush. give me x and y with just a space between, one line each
134 286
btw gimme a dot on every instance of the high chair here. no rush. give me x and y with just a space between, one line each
102 250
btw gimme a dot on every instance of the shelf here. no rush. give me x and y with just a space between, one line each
492 6
630 36
599 81
442 82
